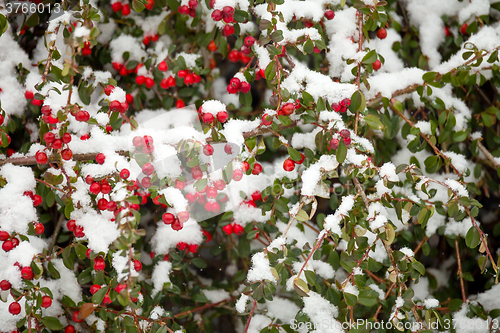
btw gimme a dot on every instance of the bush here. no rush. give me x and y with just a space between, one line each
223 166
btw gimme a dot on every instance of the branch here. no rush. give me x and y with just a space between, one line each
488 155
251 314
459 272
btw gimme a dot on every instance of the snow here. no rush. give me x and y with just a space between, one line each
457 187
320 311
313 174
166 238
407 251
332 221
216 296
99 230
261 269
160 275
381 294
351 289
388 171
126 43
458 161
430 303
241 303
489 299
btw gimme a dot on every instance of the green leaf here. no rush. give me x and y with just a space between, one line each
358 102
350 299
199 262
3 24
373 122
300 287
53 271
294 154
309 46
270 71
473 238
341 151
418 267
52 323
302 216
429 76
277 36
370 57
138 6
99 295
368 297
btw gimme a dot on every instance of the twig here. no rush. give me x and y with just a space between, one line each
487 154
251 314
385 297
459 271
56 232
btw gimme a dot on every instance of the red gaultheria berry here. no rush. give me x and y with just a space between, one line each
66 138
57 144
137 141
95 188
88 253
66 154
238 229
231 89
256 196
146 182
4 235
345 133
5 285
99 264
14 308
235 82
196 173
49 137
308 24
115 106
211 192
129 98
257 168
288 108
28 94
124 174
46 110
27 273
208 150
100 158
329 14
219 184
120 287
267 120
246 166
228 19
183 10
39 228
168 218
463 28
102 204
150 4
116 6
148 169
183 216
347 141
82 116
234 56
140 79
94 288
346 102
193 248
316 50
192 12
162 66
381 33
71 224
302 158
180 104
76 315
164 83
237 175
124 71
117 66
228 149
15 242
376 65
228 11
112 206
228 229
79 231
176 225
7 245
179 184
86 51
182 73
70 329
228 30
41 157
244 87
126 10
212 47
245 50
249 41
193 4
208 235
217 15
447 31
181 246
188 79
149 82
222 116
208 118
171 81
288 165
334 143
109 89
10 152
46 301
137 265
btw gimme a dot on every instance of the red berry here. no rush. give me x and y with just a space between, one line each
179 184
46 110
238 229
27 273
183 10
267 120
66 154
177 225
244 87
28 94
228 30
345 133
95 188
228 229
100 158
71 224
235 82
228 149
39 228
78 231
208 118
146 182
149 82
181 246
288 108
208 150
46 301
109 89
126 10
183 217
347 141
94 288
150 4
76 315
208 235
219 184
249 41
140 79
231 89
188 79
212 47
256 196
102 204
5 285
148 169
41 157
222 116
193 4
228 11
99 264
193 248
137 265
69 329
234 56
168 218
66 138
180 104
116 6
329 14
211 192
257 168
162 66
237 175
463 28
334 143
217 15
302 158
82 116
57 144
376 65
246 166
288 165
49 137
381 33
7 245
15 308
4 235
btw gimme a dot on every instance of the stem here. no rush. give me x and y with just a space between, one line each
459 271
487 154
251 314
56 232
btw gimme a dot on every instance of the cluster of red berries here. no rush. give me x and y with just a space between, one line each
233 227
208 118
8 242
56 144
227 15
177 223
168 82
189 9
118 6
242 55
209 196
236 85
286 110
31 96
87 50
346 137
342 106
145 142
289 163
148 38
189 77
193 248
37 200
77 230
